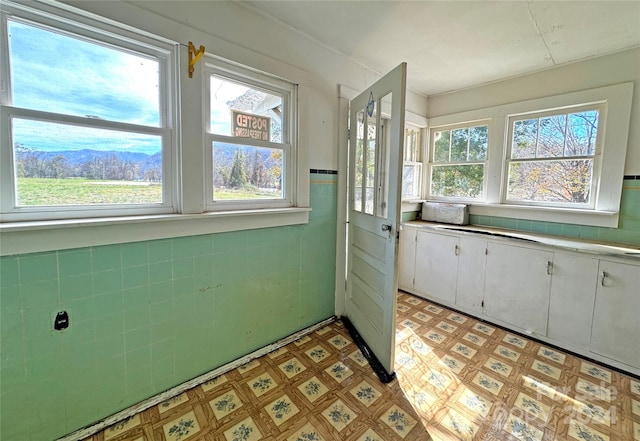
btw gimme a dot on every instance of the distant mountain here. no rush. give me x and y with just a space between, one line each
77 157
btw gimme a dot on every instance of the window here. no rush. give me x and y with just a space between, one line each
552 157
545 159
457 165
86 120
250 139
412 165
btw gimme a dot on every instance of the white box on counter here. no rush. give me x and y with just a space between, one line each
445 212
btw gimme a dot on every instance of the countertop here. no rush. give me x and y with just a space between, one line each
599 248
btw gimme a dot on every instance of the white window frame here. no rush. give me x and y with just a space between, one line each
415 162
616 114
164 51
189 216
259 80
596 157
431 163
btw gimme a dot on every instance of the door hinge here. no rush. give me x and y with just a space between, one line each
413 282
482 303
486 251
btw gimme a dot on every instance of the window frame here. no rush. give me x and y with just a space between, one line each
189 217
111 35
416 163
596 157
605 213
431 163
289 92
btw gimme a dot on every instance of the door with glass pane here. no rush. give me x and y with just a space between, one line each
376 127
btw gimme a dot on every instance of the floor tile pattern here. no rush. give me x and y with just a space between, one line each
468 379
457 379
317 388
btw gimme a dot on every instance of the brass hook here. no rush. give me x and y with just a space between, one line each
194 57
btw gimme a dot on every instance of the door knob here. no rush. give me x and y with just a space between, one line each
386 227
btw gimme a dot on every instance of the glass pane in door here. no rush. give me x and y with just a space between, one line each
359 162
370 159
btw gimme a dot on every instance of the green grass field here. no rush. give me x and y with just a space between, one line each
36 191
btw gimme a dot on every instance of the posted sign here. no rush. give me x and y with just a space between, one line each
246 125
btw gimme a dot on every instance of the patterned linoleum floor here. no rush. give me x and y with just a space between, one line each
458 379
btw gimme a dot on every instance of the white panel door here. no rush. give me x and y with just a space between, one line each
517 286
573 292
616 316
376 126
471 273
407 258
437 266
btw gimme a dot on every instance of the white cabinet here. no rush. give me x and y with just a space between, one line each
573 292
436 266
406 258
616 318
577 300
517 286
471 273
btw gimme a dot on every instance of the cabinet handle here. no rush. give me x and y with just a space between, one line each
457 250
549 267
603 277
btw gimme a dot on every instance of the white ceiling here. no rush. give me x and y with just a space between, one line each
451 45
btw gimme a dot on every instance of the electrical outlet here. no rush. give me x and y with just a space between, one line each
61 321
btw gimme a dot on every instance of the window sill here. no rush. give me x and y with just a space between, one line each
38 236
545 214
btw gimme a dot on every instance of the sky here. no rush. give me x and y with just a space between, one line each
60 73
57 73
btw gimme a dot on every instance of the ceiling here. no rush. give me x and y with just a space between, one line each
451 45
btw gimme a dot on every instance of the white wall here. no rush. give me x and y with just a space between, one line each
232 31
597 72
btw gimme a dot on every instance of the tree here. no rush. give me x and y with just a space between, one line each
238 176
556 141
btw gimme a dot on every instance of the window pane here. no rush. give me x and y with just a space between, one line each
441 146
562 181
61 74
411 180
370 158
457 180
243 172
478 142
359 168
59 164
525 134
582 133
412 145
459 143
551 136
245 111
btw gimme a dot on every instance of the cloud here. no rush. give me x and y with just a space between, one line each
58 73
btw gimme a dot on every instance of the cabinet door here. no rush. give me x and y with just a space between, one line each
471 273
517 285
616 316
406 258
436 266
573 292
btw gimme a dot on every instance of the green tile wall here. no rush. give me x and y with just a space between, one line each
410 216
627 233
147 316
